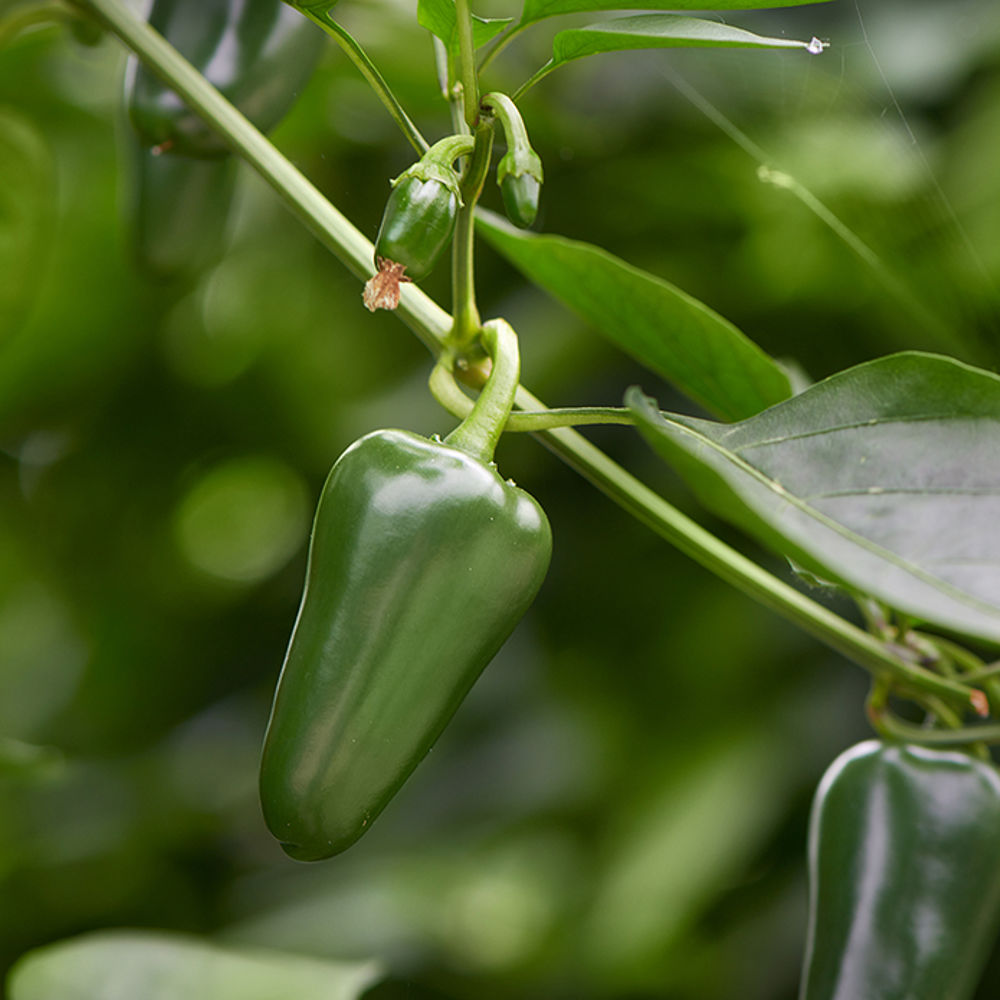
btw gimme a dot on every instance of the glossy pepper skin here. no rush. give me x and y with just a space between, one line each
904 864
422 561
417 224
520 195
181 212
258 53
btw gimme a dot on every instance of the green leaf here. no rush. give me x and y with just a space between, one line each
884 479
661 31
535 10
110 965
660 326
438 17
27 217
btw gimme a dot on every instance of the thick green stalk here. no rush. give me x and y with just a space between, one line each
432 324
465 327
467 63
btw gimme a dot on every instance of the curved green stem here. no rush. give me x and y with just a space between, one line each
540 74
895 728
466 323
449 394
505 111
480 431
368 70
433 325
447 150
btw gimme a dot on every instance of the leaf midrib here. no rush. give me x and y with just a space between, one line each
778 490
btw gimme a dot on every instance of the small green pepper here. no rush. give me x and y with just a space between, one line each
418 221
417 224
257 53
420 213
520 198
519 172
422 561
904 865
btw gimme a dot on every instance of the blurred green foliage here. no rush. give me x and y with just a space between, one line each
619 809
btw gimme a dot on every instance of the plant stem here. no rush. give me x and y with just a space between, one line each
370 72
433 325
542 72
732 566
467 62
427 319
466 323
480 431
447 392
891 726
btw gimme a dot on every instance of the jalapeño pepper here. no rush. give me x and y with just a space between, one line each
422 560
257 53
904 865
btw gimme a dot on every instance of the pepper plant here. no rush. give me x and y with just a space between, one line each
868 499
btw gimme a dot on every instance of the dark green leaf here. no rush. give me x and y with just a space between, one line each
438 17
27 200
535 10
116 964
663 328
660 31
884 479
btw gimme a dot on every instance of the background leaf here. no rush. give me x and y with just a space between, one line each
884 478
659 325
438 17
110 965
27 198
659 31
534 10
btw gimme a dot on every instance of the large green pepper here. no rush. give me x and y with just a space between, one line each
257 53
904 863
422 561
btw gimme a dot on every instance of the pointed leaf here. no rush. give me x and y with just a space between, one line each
661 31
884 479
114 964
663 328
535 10
438 17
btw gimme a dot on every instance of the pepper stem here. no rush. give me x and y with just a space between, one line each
447 150
480 431
466 323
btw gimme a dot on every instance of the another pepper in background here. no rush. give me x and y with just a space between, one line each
904 865
181 211
258 53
